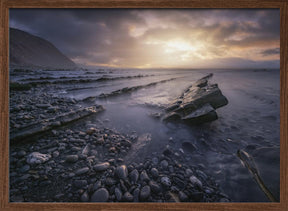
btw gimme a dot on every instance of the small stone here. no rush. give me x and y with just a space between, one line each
21 153
80 183
154 172
164 164
195 181
55 154
122 172
136 193
182 196
82 171
134 175
118 194
85 197
37 158
166 181
101 166
128 197
101 195
155 160
110 181
188 172
144 176
97 185
145 193
71 158
42 105
24 169
167 152
155 188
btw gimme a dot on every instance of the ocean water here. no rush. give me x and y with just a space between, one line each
250 121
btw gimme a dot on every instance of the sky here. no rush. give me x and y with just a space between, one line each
159 38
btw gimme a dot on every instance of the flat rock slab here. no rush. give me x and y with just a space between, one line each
197 104
49 124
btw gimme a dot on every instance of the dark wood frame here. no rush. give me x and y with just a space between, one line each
5 5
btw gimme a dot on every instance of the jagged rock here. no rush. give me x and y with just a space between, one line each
49 124
37 158
197 104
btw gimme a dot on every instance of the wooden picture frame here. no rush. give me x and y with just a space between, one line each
5 5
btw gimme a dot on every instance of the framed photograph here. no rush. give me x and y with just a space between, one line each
162 105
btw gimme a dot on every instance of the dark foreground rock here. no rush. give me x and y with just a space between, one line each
49 124
197 104
85 170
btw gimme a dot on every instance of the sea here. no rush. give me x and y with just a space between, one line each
250 121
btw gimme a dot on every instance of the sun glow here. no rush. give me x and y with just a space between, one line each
178 46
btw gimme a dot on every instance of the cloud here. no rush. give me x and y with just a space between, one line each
125 37
271 52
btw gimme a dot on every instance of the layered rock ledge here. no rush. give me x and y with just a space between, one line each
197 104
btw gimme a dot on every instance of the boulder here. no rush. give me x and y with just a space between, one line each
197 104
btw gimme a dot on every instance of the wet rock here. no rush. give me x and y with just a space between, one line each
136 193
145 193
154 172
37 158
127 197
195 181
164 164
188 147
80 183
165 181
122 172
224 200
134 175
24 169
188 172
55 154
110 181
71 158
155 160
97 185
182 196
101 195
21 153
144 176
84 197
155 188
101 166
197 104
197 196
81 171
42 105
118 194
167 152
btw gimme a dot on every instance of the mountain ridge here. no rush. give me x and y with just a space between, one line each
29 50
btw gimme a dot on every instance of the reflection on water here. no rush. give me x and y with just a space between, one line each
251 120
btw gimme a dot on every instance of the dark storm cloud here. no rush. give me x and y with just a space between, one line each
105 36
271 52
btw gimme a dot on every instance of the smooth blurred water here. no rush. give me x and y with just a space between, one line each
250 121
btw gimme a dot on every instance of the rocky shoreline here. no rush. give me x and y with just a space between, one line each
88 166
83 161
